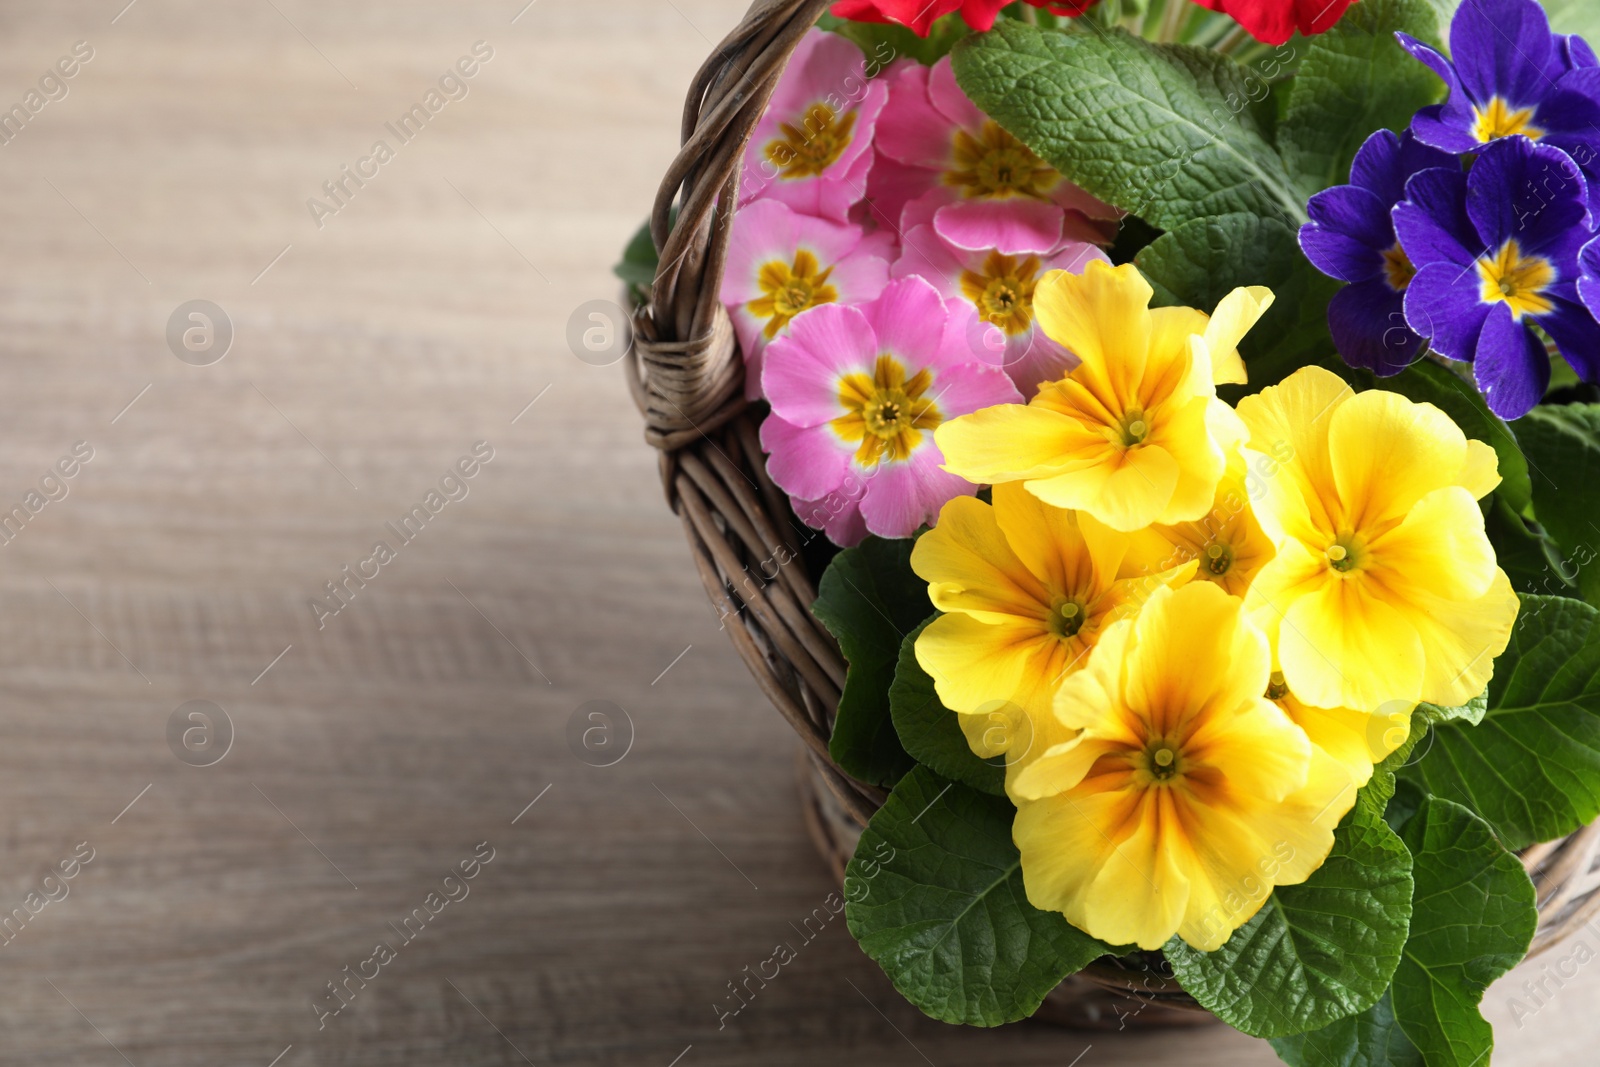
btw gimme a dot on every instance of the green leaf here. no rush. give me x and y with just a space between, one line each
1563 447
1532 766
638 266
1574 16
1355 79
869 599
1407 799
884 42
1530 559
1471 713
1379 790
1162 131
1315 952
931 732
1371 1038
1472 921
934 894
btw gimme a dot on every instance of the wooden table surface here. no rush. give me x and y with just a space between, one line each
376 749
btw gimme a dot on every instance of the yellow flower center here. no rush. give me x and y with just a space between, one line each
886 411
807 152
1498 119
1277 688
1344 556
1067 619
1516 280
1134 428
997 165
1218 558
1003 291
788 289
1163 761
1397 268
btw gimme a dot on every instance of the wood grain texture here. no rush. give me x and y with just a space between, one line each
418 722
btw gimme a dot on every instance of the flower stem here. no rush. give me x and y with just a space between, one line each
1233 39
1172 20
1029 15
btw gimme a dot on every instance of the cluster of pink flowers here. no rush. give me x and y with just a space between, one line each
880 278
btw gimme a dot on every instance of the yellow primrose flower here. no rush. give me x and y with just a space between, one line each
1227 542
1356 740
1027 590
1385 587
1186 795
1135 434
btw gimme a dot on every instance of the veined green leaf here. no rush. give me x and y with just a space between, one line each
1355 80
934 894
1162 131
931 732
1563 447
1531 768
869 599
1473 919
1315 952
1371 1038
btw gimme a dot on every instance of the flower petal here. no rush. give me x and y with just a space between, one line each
1368 324
1503 47
801 370
1287 429
1234 316
1128 491
1099 859
903 496
1101 314
1432 221
908 319
1577 335
1443 304
974 664
808 463
1009 442
1534 193
1014 226
970 567
1461 641
1511 365
1388 453
1440 551
911 130
1344 644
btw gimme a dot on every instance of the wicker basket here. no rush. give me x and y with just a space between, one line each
687 378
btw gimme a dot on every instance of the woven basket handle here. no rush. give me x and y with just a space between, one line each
691 376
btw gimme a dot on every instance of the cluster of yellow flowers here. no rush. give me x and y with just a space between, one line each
1192 630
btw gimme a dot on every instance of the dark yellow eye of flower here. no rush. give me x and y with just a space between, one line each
1135 428
1344 556
996 165
809 151
788 289
887 412
1162 761
1517 280
1498 119
1066 620
1397 268
1003 291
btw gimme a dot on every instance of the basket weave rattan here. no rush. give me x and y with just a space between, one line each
687 377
